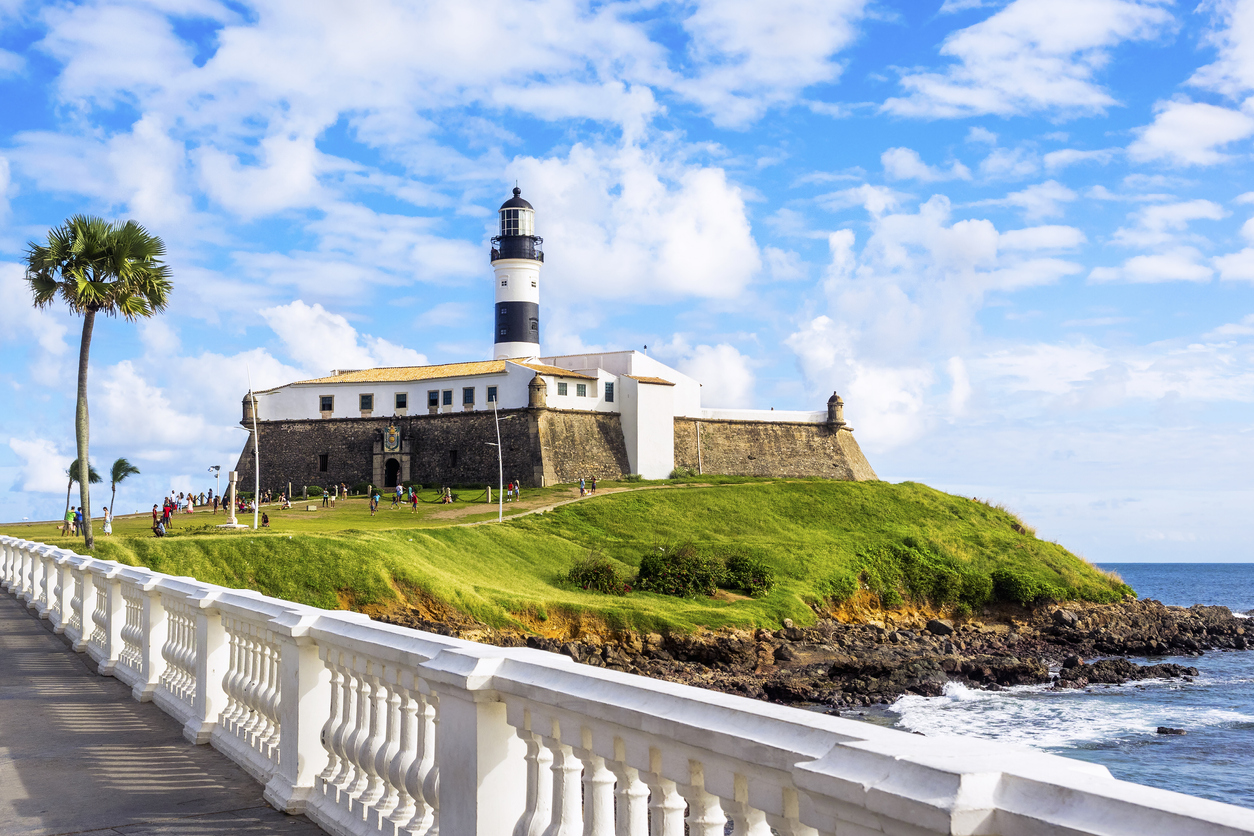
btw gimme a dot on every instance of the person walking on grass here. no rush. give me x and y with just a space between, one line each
326 498
215 505
396 498
108 521
413 501
79 522
69 522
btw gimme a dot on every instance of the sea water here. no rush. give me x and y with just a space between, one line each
1116 726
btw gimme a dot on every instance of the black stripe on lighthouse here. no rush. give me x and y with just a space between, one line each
517 322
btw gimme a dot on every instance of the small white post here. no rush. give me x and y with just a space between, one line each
304 705
115 611
87 606
212 660
152 661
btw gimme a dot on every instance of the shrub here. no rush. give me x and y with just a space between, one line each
596 573
681 571
1010 585
750 573
359 489
683 473
839 586
633 477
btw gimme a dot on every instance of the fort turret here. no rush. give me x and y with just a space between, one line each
516 259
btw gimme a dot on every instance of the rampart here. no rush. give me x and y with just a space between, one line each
376 730
538 446
761 448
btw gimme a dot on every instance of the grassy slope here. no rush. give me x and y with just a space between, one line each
805 529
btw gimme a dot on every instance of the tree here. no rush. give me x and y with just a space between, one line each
120 470
97 266
93 478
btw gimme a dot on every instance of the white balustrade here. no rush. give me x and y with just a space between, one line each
374 729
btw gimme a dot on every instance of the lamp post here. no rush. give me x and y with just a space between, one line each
216 470
256 451
500 466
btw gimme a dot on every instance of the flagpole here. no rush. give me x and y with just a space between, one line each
256 451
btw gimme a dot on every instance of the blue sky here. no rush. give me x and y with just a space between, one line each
1017 237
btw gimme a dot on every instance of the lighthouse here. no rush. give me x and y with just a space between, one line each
516 260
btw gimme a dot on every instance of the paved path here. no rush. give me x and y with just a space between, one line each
79 755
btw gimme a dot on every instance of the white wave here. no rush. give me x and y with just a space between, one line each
1043 718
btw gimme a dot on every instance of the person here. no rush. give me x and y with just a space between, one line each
80 525
69 521
265 520
215 505
326 498
374 502
413 502
108 520
155 514
594 484
158 529
582 490
165 515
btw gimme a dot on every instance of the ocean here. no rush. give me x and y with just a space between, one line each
1116 725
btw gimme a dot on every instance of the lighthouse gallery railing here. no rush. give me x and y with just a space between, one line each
369 728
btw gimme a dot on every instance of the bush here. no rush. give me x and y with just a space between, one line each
633 477
683 473
681 571
839 586
750 573
359 489
1009 585
596 573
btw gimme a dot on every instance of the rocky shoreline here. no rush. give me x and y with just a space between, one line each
846 665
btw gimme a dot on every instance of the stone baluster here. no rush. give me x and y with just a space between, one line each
212 669
63 593
335 717
273 696
746 820
422 777
598 791
109 588
406 754
539 800
346 774
790 824
666 806
153 627
567 792
231 684
387 753
373 741
360 730
301 704
631 795
705 813
86 585
36 578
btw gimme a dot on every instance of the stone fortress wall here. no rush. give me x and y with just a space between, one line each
540 446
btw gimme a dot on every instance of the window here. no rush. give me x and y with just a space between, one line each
491 394
535 325
609 392
533 284
322 462
367 403
433 397
561 387
326 403
502 311
402 400
468 396
447 400
581 390
504 282
452 458
509 221
502 332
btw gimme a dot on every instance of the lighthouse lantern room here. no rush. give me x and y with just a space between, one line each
516 258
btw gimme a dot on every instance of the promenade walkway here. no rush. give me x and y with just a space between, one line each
78 755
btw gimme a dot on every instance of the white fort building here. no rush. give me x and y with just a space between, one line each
657 407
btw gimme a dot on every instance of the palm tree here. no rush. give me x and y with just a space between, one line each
97 266
93 477
120 470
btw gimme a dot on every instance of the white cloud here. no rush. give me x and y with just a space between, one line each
1243 328
1190 133
1009 163
784 265
21 322
1044 200
5 183
960 390
1177 264
906 164
321 340
656 230
726 375
876 200
1238 266
1041 238
1233 73
750 56
1056 160
1160 224
43 466
1031 56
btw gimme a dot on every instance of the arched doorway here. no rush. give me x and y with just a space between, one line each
391 473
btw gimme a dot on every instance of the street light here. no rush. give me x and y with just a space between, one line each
216 470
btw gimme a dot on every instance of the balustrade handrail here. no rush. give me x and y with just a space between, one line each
372 728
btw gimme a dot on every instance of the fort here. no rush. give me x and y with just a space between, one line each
559 418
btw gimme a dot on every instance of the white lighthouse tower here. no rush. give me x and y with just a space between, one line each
516 260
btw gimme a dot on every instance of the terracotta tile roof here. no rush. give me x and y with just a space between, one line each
400 374
659 381
405 374
557 370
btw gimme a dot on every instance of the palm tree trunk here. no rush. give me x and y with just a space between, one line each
113 498
81 428
69 487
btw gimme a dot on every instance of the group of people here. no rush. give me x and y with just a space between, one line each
587 487
75 524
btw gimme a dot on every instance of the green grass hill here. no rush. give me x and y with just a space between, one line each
816 543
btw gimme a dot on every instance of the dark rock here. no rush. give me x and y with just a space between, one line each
1169 730
787 623
1072 661
940 627
1064 618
